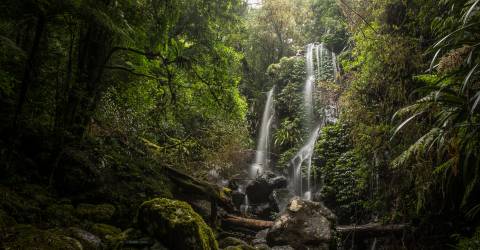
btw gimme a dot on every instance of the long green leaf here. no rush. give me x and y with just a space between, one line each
405 123
469 12
465 82
476 101
434 59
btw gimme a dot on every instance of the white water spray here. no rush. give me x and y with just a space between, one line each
309 85
305 156
261 156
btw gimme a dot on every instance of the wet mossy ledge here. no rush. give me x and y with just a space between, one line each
176 224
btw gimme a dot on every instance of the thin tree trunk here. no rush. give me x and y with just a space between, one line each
29 67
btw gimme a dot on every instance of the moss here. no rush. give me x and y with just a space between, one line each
112 236
234 243
29 237
61 215
104 230
175 224
96 213
6 220
23 209
470 243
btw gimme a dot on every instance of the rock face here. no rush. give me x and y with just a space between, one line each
261 194
304 225
175 224
259 190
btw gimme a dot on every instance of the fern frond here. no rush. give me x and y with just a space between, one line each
420 146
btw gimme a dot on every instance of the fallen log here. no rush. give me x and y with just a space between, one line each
375 229
247 223
194 186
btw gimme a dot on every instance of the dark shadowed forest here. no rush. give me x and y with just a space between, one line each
239 124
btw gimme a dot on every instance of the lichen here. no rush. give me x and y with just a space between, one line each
175 224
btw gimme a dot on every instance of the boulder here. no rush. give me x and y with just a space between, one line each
175 224
278 182
304 224
88 240
264 210
30 237
258 191
234 243
238 198
96 213
260 237
262 246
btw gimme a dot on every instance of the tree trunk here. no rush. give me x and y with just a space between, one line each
374 229
247 223
29 67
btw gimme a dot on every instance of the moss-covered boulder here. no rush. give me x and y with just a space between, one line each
96 213
29 237
88 240
234 243
175 224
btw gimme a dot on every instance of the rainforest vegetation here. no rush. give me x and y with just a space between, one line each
233 124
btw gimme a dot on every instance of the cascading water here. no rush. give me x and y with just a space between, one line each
261 156
309 84
304 155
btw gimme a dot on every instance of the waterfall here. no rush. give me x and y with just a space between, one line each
261 157
246 205
320 49
309 84
304 155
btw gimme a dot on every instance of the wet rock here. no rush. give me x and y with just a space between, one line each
238 198
283 248
278 182
260 237
259 190
96 213
304 224
264 210
175 224
88 240
261 246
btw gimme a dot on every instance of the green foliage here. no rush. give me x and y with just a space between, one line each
471 242
342 174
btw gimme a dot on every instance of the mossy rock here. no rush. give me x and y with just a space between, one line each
29 237
23 209
103 230
88 240
234 242
96 213
6 220
61 215
175 224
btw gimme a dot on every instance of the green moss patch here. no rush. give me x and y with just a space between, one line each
175 224
29 237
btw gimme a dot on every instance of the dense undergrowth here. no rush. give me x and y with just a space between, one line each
97 98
